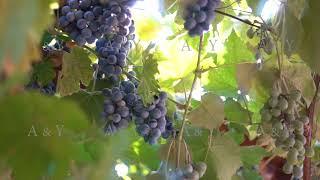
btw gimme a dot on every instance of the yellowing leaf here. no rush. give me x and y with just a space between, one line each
19 19
75 69
210 114
245 73
299 76
225 156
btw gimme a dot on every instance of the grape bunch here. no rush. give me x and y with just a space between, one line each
151 120
288 129
49 89
198 16
116 111
88 20
189 172
169 131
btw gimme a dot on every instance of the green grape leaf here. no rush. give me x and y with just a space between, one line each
234 112
222 80
184 83
43 72
252 155
210 114
75 69
36 129
237 132
309 50
236 50
148 84
30 17
225 156
90 103
256 6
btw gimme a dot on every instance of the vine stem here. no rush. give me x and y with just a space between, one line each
308 134
235 17
189 99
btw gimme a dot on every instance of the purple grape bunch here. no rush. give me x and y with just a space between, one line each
151 120
49 89
88 20
198 16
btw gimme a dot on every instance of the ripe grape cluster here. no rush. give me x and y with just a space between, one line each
49 89
288 129
122 104
118 106
189 172
151 120
88 20
198 16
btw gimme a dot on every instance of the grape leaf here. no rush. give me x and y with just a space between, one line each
222 80
43 72
30 19
252 155
234 112
225 156
210 114
236 50
91 104
184 83
75 69
148 84
25 134
299 76
245 74
309 50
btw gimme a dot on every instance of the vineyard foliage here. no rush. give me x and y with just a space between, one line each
54 98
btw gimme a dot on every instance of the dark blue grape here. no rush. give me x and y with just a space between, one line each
116 118
86 33
108 108
190 23
200 16
89 16
78 14
70 16
63 21
143 129
65 10
80 40
81 23
153 123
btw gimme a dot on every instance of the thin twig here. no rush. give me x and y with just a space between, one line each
239 19
189 98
